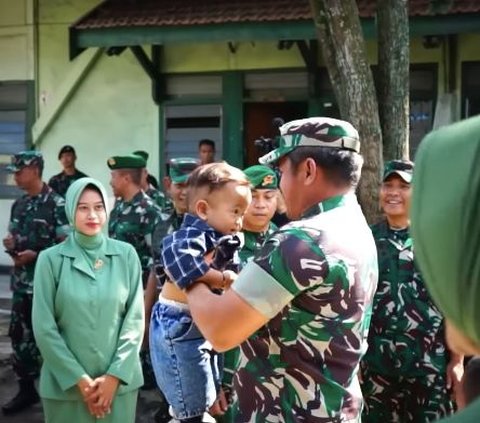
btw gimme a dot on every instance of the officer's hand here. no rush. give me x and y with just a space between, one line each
25 257
9 242
219 406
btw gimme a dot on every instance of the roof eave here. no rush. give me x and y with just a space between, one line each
80 39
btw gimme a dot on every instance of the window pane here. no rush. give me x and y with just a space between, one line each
13 135
13 95
185 126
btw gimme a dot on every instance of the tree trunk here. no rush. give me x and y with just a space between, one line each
393 66
343 49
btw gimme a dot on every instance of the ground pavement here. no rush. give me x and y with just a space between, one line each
148 400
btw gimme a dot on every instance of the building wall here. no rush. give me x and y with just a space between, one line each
17 63
106 109
102 105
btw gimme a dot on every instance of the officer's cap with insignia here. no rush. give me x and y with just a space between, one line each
131 161
179 169
142 153
24 159
262 177
314 132
402 168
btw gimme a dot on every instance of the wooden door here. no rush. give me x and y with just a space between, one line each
259 123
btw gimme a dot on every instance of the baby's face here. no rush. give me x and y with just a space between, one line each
227 206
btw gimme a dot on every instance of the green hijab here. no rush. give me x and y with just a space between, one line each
445 221
92 244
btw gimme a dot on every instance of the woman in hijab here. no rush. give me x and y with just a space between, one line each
446 232
88 317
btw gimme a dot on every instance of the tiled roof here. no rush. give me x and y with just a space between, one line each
136 13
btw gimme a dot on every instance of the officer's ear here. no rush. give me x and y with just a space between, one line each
310 169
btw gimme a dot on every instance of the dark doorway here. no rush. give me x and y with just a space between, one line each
258 123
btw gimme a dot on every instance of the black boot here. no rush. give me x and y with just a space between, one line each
26 396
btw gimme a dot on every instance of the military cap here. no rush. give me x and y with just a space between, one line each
66 149
314 132
261 177
132 161
402 168
143 154
179 169
24 159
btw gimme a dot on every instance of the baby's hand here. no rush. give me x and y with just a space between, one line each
228 278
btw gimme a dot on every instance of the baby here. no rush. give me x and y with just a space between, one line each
187 369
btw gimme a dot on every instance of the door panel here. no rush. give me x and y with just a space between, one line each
258 123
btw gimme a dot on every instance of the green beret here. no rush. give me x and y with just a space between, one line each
262 177
445 221
143 154
131 161
24 159
180 169
402 168
314 132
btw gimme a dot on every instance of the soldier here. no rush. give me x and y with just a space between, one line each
150 186
178 171
301 308
134 216
37 221
257 225
407 367
60 182
206 151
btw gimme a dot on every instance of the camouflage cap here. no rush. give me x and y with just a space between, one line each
142 153
132 161
24 159
66 149
179 169
314 132
402 168
261 177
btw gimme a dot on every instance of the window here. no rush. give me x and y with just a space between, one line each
423 96
186 125
15 122
470 89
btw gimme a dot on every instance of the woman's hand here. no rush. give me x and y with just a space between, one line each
86 385
106 388
88 389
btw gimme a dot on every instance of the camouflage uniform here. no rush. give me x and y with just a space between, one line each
302 365
134 222
160 199
404 370
60 182
36 223
253 242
